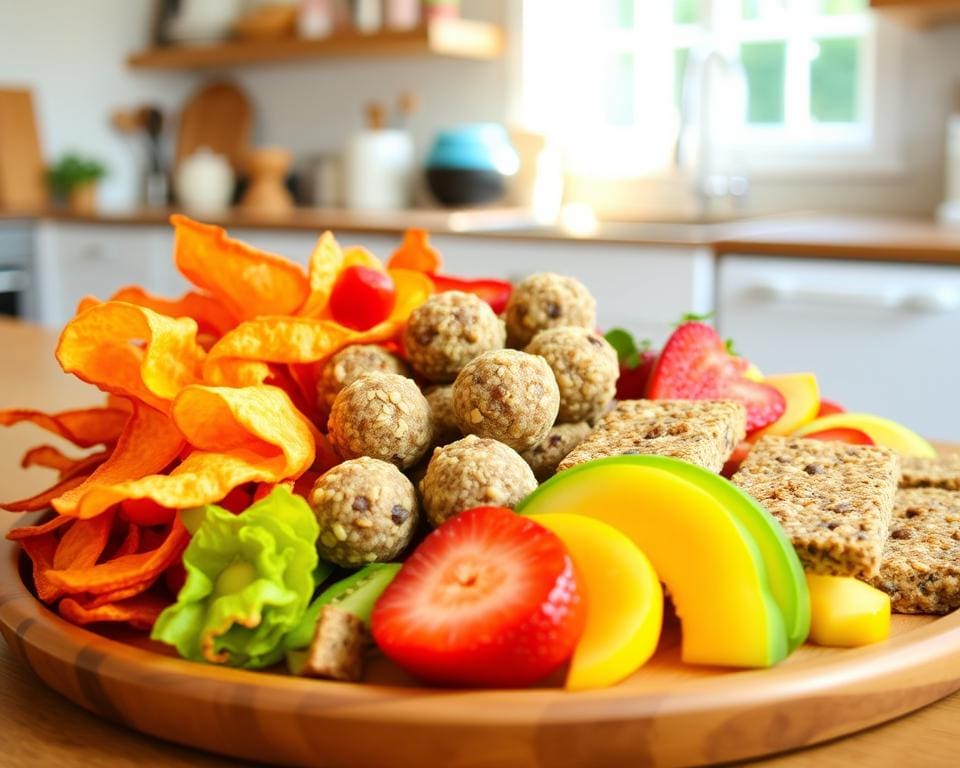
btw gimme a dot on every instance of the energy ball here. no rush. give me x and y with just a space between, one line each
507 395
445 429
447 331
586 368
544 457
384 416
349 364
473 472
546 300
367 512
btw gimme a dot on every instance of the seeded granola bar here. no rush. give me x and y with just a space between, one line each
942 472
834 500
702 432
921 562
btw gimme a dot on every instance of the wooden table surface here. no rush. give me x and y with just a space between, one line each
38 727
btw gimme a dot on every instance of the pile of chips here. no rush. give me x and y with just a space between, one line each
211 398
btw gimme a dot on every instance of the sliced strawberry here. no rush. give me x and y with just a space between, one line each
842 435
488 599
828 406
696 365
736 458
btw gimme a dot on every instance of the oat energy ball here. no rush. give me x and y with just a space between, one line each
447 332
473 472
544 457
585 366
367 512
546 300
507 395
384 416
349 364
445 429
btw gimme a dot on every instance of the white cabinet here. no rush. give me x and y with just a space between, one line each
881 338
639 287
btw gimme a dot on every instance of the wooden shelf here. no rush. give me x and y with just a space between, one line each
460 38
920 14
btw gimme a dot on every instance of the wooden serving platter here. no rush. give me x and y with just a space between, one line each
666 714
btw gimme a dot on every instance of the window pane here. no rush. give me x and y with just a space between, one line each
686 11
838 7
621 13
680 57
833 81
765 65
620 89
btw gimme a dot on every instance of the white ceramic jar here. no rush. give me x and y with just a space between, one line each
204 183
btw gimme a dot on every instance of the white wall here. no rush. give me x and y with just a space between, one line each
72 55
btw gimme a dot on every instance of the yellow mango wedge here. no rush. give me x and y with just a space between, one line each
846 612
624 601
882 431
802 395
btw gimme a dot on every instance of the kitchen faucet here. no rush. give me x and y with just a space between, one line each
713 104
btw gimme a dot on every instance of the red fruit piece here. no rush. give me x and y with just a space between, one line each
842 435
362 297
736 458
695 365
145 512
636 363
488 599
828 406
495 292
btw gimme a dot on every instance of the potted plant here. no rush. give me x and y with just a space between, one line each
74 178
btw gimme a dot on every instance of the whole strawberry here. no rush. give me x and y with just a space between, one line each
636 363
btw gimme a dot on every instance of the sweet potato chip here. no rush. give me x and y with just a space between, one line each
416 253
72 479
212 317
41 551
140 612
122 572
102 347
247 281
130 543
326 262
84 542
29 531
48 456
84 428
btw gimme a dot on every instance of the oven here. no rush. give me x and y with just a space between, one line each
16 282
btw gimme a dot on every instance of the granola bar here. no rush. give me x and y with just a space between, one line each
942 472
834 500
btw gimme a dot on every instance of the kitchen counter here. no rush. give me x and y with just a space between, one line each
42 728
810 235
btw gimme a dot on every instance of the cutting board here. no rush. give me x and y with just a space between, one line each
22 184
219 117
667 713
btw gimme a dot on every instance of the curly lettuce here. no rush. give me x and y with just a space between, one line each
249 581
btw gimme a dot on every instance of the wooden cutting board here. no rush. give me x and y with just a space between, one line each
667 713
22 184
219 117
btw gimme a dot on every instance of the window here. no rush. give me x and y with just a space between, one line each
612 80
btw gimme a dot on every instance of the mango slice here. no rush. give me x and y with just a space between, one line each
846 612
802 394
882 431
700 550
624 601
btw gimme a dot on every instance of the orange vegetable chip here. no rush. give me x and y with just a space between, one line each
84 428
84 542
416 253
140 612
146 512
41 551
130 543
247 281
29 531
48 456
212 317
101 347
71 479
122 572
325 264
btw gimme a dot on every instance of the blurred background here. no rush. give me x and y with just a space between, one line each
791 166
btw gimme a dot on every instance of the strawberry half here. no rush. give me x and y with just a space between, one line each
696 365
488 599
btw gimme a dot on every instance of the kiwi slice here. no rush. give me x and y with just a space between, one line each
355 594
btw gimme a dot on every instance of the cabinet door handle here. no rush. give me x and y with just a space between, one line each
930 301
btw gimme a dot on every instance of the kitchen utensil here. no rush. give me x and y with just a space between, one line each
266 192
666 714
378 169
200 21
217 116
323 181
469 164
21 163
267 22
538 184
204 183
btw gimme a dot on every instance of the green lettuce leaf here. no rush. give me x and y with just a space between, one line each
249 581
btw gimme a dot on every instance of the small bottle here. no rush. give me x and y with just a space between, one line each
949 211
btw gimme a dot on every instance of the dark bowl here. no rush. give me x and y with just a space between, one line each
464 186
